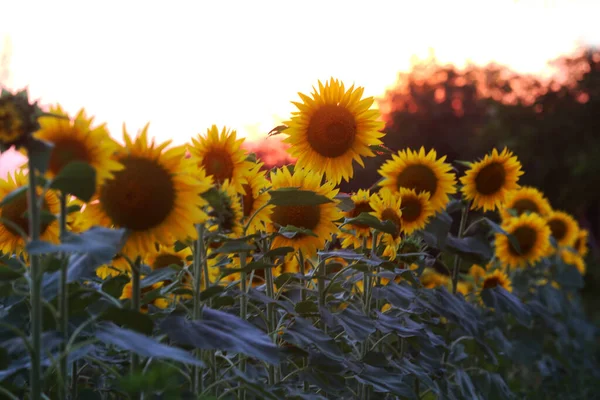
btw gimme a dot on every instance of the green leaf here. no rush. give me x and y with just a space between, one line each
303 334
234 246
114 286
211 292
278 252
289 196
77 178
467 164
14 195
345 202
436 231
372 222
381 149
498 229
277 130
8 274
157 276
470 245
129 319
39 153
306 307
291 231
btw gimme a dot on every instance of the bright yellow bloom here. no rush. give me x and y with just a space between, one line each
496 278
531 233
421 172
118 266
77 140
416 210
581 243
477 272
228 220
255 198
488 181
573 259
156 197
387 207
525 199
564 228
221 156
430 278
11 242
332 129
356 231
317 218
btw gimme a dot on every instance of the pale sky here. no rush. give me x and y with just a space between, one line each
185 65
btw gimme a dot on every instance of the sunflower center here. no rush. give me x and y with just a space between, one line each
526 236
332 130
491 282
306 217
11 125
418 177
218 163
558 228
14 212
65 151
390 215
247 200
165 260
359 208
141 196
490 179
525 205
411 209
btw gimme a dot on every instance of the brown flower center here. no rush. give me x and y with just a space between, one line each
15 211
411 208
332 130
66 150
526 236
218 163
306 217
165 260
248 200
418 177
359 208
491 282
140 197
558 228
11 124
525 205
490 179
390 215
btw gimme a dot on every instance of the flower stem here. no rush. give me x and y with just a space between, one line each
35 287
270 316
63 296
243 315
461 230
199 260
136 294
303 273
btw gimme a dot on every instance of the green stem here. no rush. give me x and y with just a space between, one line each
303 273
74 380
36 288
461 230
243 315
270 317
63 296
322 274
199 260
136 294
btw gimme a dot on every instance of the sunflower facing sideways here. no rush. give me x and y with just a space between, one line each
421 172
523 200
564 228
332 129
221 156
581 243
77 140
496 278
155 198
317 218
255 199
532 235
488 181
416 210
352 235
13 220
387 207
227 219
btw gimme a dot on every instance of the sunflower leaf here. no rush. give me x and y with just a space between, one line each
291 231
77 178
498 229
39 154
157 276
130 319
278 252
345 202
8 274
372 222
15 194
290 196
234 246
277 130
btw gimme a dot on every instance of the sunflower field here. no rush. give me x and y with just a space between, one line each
145 270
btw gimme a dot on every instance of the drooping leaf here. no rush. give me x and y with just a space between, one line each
291 231
8 274
39 154
234 246
289 196
278 252
77 178
436 231
14 195
465 384
127 318
504 301
373 222
470 245
357 325
156 276
219 330
345 202
304 335
386 381
145 346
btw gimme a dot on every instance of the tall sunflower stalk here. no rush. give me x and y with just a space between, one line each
199 266
63 295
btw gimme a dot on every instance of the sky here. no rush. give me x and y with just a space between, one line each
185 65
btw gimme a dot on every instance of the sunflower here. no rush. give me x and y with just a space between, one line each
463 287
77 140
581 243
387 207
357 231
255 199
155 197
430 279
158 302
221 156
573 259
75 221
118 266
488 180
317 218
496 278
332 129
11 242
421 172
416 210
531 233
523 200
564 228
477 272
228 217
165 256
18 118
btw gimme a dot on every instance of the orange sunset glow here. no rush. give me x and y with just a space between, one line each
189 65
